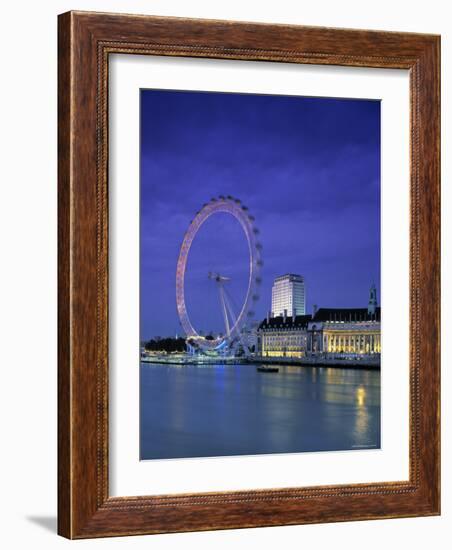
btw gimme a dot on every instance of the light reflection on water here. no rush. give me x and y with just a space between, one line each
194 411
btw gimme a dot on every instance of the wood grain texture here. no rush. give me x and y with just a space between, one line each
64 294
85 42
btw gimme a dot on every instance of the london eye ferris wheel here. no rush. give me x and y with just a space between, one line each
237 323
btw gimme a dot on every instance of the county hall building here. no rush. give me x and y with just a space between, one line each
328 332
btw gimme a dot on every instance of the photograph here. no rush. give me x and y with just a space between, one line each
260 291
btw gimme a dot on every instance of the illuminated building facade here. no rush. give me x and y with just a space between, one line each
345 331
288 294
328 333
283 336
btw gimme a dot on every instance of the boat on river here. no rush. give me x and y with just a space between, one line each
267 369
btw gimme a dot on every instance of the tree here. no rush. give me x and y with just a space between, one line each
165 344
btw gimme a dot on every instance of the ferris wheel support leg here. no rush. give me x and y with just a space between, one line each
234 321
223 307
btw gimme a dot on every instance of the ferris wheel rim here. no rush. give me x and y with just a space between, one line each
236 209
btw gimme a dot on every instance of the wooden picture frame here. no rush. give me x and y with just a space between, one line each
85 42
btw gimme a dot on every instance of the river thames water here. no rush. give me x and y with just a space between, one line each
225 410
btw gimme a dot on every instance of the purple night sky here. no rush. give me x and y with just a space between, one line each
307 168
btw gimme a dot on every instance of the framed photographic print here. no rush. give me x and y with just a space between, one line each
248 275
